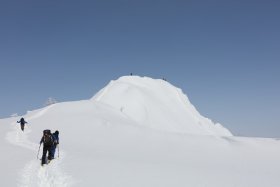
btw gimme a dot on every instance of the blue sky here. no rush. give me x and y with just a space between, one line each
223 54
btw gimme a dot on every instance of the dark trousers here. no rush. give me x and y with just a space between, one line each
46 149
22 127
53 151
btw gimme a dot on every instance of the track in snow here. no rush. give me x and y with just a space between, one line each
33 174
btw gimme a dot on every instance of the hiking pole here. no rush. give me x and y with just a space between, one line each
38 152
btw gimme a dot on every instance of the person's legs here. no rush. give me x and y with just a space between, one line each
53 151
50 153
44 155
22 127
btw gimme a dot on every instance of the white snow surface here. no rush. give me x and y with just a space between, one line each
136 132
157 104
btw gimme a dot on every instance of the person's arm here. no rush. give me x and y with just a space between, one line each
42 139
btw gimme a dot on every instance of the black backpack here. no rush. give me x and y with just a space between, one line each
48 138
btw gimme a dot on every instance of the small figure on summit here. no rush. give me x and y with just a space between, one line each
22 123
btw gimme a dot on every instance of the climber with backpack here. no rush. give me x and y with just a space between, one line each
48 142
56 142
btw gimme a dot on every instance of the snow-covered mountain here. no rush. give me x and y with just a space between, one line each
157 104
135 132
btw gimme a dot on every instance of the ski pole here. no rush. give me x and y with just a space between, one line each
38 152
58 150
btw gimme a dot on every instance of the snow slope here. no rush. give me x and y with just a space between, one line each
157 104
104 143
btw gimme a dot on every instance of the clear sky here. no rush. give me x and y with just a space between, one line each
225 55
